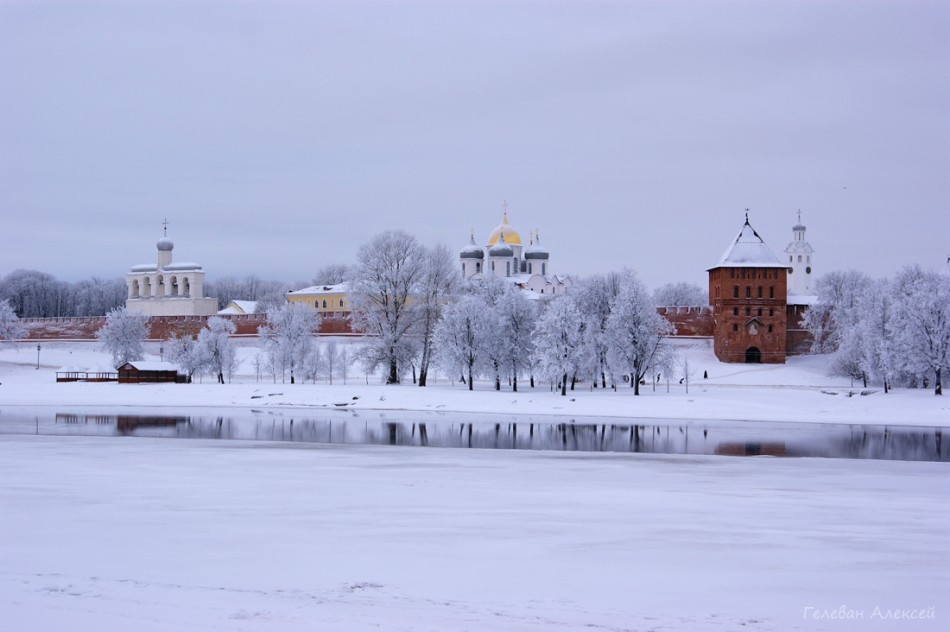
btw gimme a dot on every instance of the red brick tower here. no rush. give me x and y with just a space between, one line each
748 292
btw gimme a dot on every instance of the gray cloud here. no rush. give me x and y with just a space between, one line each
277 137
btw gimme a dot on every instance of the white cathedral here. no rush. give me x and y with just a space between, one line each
505 257
164 288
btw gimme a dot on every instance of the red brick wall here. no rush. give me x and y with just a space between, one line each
160 327
797 339
689 321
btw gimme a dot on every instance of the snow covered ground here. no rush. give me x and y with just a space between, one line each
116 533
145 534
800 390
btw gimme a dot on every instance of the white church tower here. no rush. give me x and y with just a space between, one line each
165 288
800 255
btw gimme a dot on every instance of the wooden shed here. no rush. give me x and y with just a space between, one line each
145 372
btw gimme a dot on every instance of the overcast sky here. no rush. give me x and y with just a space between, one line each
276 137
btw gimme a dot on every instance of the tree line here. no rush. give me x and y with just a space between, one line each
891 332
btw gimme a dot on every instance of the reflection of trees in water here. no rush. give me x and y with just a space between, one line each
892 444
836 441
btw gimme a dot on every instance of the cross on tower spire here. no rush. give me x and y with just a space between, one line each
165 227
799 216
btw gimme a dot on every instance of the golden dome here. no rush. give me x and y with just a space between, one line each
512 238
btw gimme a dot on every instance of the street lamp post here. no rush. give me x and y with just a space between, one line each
38 357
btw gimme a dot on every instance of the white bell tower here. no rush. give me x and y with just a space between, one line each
800 261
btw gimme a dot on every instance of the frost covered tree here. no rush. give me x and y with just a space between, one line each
680 295
388 273
837 310
596 294
10 326
880 334
923 315
513 341
438 281
35 294
634 330
314 364
333 274
123 335
97 297
288 336
187 354
218 347
559 341
463 336
849 359
266 293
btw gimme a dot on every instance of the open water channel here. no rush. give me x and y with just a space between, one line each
483 431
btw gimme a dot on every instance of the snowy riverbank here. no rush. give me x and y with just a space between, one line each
800 390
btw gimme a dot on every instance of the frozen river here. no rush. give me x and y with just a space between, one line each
490 431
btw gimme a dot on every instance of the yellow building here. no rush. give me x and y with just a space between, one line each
329 300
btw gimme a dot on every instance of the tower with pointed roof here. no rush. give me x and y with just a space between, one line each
799 253
748 294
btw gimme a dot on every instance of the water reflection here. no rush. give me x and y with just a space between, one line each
522 433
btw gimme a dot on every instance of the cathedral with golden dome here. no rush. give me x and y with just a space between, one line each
504 256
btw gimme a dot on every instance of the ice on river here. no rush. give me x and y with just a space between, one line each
150 534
